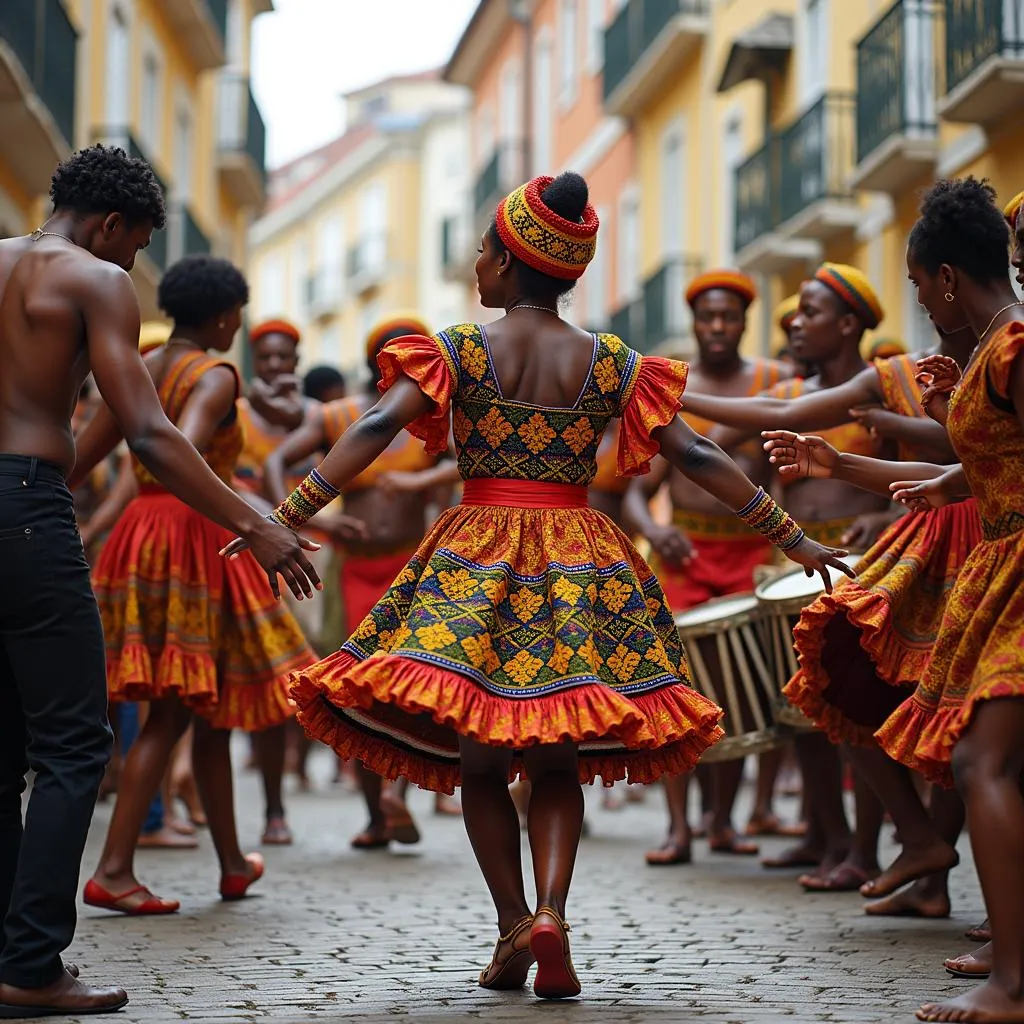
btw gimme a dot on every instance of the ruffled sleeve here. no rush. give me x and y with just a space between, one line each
426 362
1003 351
651 399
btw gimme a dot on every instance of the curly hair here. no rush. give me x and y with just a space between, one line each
197 289
961 225
567 195
104 179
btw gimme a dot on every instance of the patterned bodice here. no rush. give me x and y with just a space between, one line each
404 454
987 434
228 439
851 438
499 438
901 394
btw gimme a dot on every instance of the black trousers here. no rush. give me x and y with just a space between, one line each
53 718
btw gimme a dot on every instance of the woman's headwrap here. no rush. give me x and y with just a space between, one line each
538 236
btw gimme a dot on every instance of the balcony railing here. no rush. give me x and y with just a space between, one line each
896 77
367 260
634 30
755 196
816 155
499 175
977 30
627 322
219 13
324 291
240 125
194 242
665 312
45 42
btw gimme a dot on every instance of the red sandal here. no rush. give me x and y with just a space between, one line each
234 887
549 944
94 895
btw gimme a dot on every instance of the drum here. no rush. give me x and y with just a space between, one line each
728 666
780 602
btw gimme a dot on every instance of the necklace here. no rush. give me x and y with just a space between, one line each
40 233
526 305
1009 305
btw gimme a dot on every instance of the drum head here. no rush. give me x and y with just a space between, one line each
797 584
718 610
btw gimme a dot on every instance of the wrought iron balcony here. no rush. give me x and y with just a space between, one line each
645 45
755 191
241 140
628 323
983 60
498 176
897 138
201 26
38 47
367 262
666 315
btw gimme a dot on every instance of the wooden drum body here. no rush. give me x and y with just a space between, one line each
728 666
780 602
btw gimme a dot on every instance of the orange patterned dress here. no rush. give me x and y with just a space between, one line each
180 620
524 617
865 646
979 653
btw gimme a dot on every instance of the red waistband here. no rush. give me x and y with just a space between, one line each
523 494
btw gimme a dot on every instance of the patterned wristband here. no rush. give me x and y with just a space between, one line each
763 514
313 494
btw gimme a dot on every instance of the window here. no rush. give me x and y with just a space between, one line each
542 122
298 273
673 172
732 157
511 127
118 83
484 135
270 295
373 224
183 143
596 279
628 264
152 97
234 44
812 39
330 260
595 35
569 43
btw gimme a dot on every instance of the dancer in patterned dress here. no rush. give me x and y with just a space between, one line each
965 722
526 633
184 630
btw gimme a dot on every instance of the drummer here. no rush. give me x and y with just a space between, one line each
706 552
836 307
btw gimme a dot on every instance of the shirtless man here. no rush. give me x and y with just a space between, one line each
706 552
67 306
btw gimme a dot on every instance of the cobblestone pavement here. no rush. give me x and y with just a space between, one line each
335 935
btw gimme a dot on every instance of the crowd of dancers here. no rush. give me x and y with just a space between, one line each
464 605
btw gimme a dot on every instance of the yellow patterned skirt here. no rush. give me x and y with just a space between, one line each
180 620
514 627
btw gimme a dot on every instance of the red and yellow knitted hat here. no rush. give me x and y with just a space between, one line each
152 335
727 280
1012 210
854 289
538 236
407 322
786 310
261 330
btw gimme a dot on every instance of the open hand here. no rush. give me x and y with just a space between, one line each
672 545
798 456
943 372
816 558
279 552
921 495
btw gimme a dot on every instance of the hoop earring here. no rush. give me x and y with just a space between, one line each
949 296
222 324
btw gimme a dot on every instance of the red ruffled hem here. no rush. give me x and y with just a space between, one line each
421 359
192 678
405 718
924 739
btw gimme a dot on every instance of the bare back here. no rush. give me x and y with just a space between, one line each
44 286
539 359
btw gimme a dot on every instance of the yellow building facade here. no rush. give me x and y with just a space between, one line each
360 228
168 80
810 130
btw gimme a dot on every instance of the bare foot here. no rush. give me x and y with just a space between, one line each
845 877
987 1004
769 825
400 824
675 850
971 965
923 899
277 832
180 825
911 865
167 838
374 837
980 932
726 841
446 805
803 855
183 788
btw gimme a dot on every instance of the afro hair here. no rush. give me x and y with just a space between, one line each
104 179
197 289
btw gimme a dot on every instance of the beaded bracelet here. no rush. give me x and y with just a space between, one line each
763 514
313 494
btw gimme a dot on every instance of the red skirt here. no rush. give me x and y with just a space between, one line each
180 620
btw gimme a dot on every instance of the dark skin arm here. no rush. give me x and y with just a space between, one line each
924 435
671 544
280 403
111 315
110 509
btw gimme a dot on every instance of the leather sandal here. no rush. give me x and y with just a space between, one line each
549 943
512 958
94 895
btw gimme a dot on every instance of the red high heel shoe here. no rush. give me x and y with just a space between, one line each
94 895
234 887
549 943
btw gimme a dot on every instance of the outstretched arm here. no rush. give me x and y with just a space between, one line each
671 544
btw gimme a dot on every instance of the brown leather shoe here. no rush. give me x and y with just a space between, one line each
67 996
